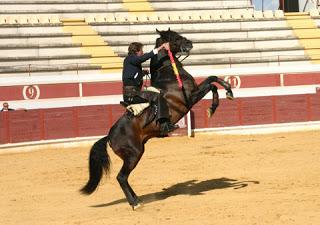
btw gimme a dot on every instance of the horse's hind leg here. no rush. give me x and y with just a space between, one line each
226 86
130 157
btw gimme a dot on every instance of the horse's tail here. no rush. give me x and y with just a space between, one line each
98 161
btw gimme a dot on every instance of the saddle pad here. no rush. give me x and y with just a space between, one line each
137 109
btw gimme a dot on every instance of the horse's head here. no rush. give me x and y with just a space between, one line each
177 42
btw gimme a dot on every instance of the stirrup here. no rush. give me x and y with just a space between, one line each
166 128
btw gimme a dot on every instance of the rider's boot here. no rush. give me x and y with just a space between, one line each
163 117
166 127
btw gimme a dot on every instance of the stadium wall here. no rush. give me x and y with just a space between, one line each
84 107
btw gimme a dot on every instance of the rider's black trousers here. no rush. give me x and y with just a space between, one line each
131 95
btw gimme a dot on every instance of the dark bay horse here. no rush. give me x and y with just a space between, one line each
127 137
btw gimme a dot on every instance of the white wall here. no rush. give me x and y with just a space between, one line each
310 5
274 4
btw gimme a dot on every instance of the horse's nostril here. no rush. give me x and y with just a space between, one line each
189 44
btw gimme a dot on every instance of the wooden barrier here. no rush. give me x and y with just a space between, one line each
70 122
258 111
103 88
58 123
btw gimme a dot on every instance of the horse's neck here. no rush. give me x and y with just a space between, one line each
165 74
178 98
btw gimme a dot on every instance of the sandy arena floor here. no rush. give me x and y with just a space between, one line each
210 179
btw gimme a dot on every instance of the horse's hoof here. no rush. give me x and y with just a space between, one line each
137 206
229 95
209 112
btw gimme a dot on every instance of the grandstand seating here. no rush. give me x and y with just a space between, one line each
41 48
216 42
76 36
80 8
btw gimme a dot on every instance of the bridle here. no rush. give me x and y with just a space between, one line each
176 72
187 53
182 52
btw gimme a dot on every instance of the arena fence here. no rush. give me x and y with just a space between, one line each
87 107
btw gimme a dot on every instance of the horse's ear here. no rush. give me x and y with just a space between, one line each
169 29
158 42
158 31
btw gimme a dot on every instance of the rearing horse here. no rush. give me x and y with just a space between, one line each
127 137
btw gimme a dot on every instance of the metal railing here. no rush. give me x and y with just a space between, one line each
315 2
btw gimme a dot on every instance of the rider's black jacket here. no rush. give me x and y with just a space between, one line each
132 74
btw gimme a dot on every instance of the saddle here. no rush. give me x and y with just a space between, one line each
137 109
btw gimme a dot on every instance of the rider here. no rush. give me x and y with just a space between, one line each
132 78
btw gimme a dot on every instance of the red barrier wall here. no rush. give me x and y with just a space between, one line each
259 110
46 124
64 90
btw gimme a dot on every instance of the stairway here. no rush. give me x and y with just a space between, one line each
92 44
306 30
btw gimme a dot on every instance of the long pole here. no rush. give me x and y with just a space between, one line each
174 67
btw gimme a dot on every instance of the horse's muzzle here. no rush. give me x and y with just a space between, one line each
187 46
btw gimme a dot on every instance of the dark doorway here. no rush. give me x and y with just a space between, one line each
289 5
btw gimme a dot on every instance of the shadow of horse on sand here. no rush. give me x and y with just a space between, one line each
191 187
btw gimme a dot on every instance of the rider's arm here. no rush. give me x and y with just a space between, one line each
137 60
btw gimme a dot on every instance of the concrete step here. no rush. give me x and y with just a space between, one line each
221 2
78 12
199 39
241 60
37 62
47 68
7 7
254 54
205 36
38 52
75 71
31 31
35 45
34 41
228 46
249 64
244 2
200 26
250 29
252 50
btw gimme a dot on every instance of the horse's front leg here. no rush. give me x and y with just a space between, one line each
223 83
203 89
215 101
